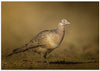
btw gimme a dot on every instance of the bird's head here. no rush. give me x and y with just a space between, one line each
64 22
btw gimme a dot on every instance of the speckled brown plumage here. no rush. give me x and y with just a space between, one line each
46 41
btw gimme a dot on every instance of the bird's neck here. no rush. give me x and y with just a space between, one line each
60 28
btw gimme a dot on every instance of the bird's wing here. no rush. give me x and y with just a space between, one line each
37 41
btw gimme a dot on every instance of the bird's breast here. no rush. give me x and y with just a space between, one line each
51 41
54 40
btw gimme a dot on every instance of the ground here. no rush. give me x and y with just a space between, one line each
24 62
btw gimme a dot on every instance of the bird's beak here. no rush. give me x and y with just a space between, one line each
64 21
67 23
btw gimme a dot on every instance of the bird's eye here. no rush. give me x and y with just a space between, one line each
63 20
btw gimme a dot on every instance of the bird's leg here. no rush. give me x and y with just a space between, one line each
42 61
45 57
47 61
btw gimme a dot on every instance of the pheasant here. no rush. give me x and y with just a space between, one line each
46 41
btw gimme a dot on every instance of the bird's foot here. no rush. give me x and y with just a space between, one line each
44 63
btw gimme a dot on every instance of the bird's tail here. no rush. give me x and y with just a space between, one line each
18 50
22 49
10 54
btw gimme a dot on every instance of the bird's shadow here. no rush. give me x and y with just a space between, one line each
64 62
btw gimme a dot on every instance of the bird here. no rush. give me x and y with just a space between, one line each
45 42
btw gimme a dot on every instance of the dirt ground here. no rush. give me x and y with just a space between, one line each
27 63
21 21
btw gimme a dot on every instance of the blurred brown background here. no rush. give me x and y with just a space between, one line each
21 21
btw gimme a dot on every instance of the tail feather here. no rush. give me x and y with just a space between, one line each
18 50
24 49
10 54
